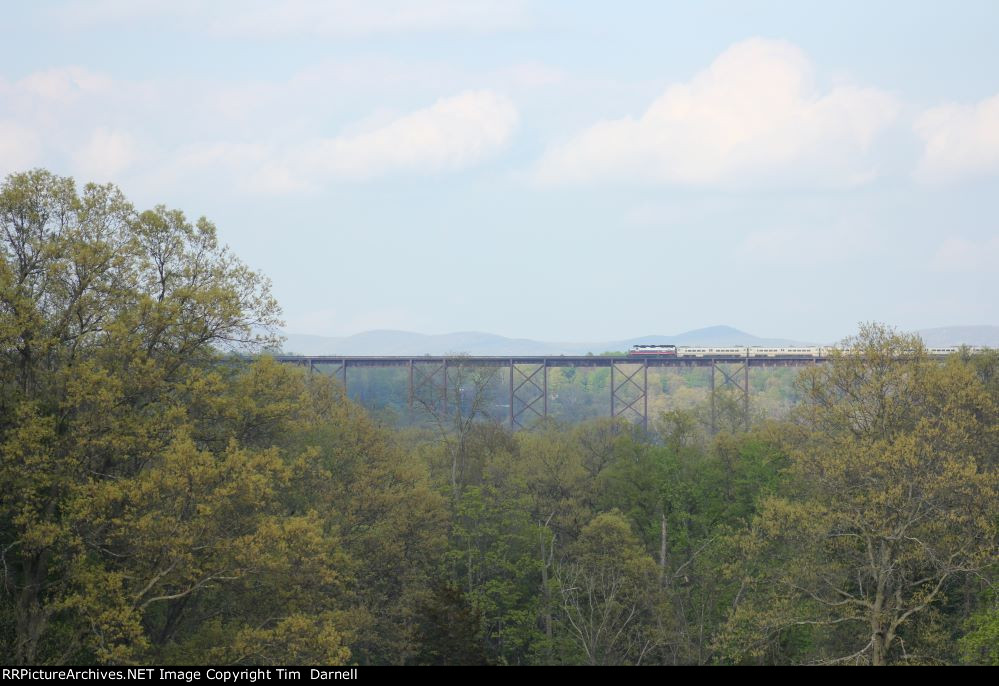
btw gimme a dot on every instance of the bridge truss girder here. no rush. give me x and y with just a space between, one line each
338 370
628 397
428 388
528 387
737 378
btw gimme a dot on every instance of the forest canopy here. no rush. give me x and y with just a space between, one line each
167 501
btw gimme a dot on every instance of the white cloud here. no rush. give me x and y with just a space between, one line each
961 255
18 148
754 117
329 18
264 136
959 141
65 117
237 164
454 133
64 84
105 155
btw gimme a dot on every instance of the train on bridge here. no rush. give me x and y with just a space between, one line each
753 352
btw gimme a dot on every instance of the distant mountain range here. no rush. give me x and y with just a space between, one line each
987 336
478 343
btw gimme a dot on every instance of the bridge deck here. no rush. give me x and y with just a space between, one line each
527 377
546 360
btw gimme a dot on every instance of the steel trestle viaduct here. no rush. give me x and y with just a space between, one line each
528 376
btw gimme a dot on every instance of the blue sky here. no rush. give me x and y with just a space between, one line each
552 170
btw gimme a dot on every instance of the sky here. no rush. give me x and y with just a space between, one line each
552 170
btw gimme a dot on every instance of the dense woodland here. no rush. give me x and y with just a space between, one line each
166 500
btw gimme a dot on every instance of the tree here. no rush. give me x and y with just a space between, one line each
464 399
116 504
387 518
890 500
981 644
449 630
610 596
705 497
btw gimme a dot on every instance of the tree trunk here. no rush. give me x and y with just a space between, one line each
662 548
879 649
546 591
31 616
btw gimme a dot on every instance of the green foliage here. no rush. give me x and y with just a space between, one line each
981 644
449 631
890 501
166 501
610 597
